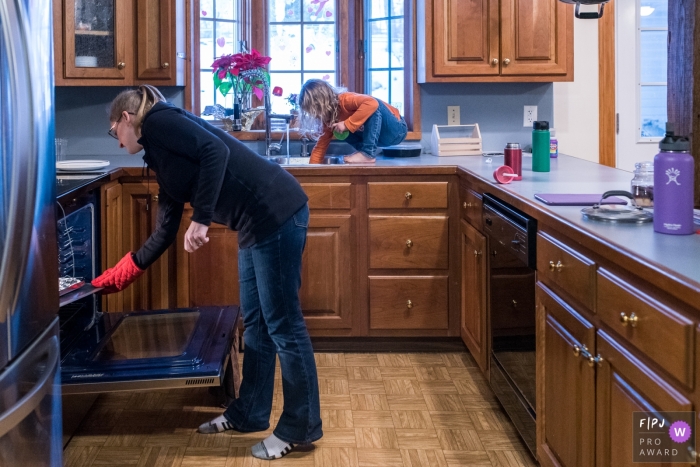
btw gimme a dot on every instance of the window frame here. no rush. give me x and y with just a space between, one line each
350 57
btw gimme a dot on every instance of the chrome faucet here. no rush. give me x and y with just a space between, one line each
255 75
304 147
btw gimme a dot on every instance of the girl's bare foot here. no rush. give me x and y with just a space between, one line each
358 158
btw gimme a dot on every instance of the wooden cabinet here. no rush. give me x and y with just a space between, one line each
408 302
495 40
571 272
656 329
111 204
470 203
408 261
474 319
151 291
209 276
566 399
624 385
328 287
119 43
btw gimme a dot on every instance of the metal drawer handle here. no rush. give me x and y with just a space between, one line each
592 361
466 205
166 65
632 319
577 350
409 243
557 266
155 197
121 65
477 253
506 61
494 61
408 195
409 304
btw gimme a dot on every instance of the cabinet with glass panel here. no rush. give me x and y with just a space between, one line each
119 42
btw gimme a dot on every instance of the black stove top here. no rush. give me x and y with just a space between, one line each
66 183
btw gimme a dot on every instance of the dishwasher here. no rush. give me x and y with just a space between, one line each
511 244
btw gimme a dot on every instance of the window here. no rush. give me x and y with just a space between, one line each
357 44
302 44
384 30
219 34
653 37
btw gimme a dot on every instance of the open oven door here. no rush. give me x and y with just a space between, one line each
150 350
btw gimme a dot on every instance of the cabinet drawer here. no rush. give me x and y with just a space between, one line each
408 302
559 265
470 207
328 195
660 333
400 242
407 195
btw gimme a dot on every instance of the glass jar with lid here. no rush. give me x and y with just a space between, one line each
643 184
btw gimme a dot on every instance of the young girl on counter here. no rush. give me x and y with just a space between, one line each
363 121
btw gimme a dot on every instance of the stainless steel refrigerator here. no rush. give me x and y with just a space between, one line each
30 402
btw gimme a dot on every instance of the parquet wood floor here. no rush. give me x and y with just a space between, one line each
378 410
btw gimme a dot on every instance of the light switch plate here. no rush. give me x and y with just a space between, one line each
453 115
530 115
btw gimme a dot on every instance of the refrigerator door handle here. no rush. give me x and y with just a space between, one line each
26 405
22 174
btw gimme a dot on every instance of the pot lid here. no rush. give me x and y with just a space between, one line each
617 213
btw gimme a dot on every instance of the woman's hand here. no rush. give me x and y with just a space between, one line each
196 236
339 127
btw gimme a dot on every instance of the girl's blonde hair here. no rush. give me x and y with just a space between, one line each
136 101
318 102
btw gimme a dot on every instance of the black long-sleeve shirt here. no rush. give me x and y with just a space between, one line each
223 180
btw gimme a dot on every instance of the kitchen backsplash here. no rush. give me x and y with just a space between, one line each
82 114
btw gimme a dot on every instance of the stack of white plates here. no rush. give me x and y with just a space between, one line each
84 61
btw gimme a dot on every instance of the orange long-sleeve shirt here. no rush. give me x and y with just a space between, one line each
354 110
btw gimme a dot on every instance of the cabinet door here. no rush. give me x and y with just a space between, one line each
209 276
140 208
566 383
536 37
465 37
626 385
155 40
112 235
474 320
328 273
96 40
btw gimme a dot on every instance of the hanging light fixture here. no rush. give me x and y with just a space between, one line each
588 15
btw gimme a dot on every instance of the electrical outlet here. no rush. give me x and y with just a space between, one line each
530 115
453 115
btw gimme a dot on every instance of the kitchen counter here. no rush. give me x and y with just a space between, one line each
673 257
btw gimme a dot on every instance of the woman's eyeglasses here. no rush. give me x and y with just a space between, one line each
113 131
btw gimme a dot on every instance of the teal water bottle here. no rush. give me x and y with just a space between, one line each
540 146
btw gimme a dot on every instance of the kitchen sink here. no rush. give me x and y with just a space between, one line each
284 160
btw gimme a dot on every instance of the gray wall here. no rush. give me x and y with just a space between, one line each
81 114
496 107
82 117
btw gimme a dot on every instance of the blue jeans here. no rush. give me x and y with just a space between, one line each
270 277
381 129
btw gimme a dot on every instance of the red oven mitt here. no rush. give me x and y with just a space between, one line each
120 276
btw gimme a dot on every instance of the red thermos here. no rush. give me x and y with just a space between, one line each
514 159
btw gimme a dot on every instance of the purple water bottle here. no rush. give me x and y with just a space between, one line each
673 185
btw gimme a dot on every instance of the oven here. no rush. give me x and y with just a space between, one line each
511 244
133 350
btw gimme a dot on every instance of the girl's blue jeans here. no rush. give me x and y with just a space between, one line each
381 129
